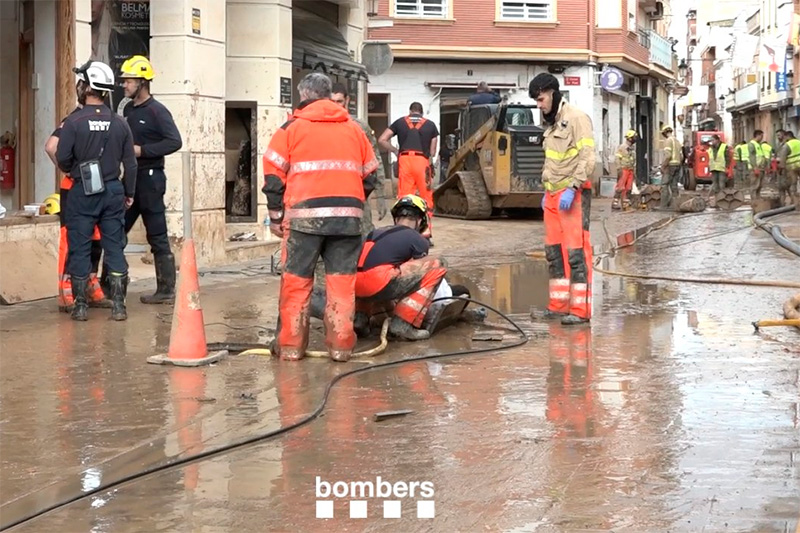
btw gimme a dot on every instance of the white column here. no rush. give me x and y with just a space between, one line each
259 54
190 81
44 96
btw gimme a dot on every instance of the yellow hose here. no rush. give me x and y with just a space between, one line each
372 352
710 281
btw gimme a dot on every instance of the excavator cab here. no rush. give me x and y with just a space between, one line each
497 166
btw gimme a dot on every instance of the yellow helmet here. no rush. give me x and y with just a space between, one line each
137 67
52 204
630 134
415 204
666 128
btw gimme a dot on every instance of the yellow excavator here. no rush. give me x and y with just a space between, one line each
497 166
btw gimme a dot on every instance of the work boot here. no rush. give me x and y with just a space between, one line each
119 290
615 205
403 330
474 315
547 314
80 308
573 320
98 298
165 281
341 356
361 324
104 283
291 354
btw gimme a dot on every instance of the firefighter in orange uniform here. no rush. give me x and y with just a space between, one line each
417 138
569 163
319 170
95 295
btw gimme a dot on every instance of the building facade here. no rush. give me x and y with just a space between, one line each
754 53
443 48
226 69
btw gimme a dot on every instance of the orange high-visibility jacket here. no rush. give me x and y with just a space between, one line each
319 169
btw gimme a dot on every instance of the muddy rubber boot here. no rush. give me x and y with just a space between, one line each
341 356
547 314
165 281
615 205
474 315
361 324
80 307
573 320
403 330
119 289
104 283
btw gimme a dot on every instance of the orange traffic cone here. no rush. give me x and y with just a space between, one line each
187 342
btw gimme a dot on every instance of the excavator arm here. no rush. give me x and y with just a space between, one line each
470 146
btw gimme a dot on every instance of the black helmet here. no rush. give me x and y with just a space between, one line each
542 82
412 206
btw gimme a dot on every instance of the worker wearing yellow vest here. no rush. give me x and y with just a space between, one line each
626 168
756 164
720 157
740 157
789 164
670 167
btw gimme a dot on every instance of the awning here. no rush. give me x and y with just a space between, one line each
317 44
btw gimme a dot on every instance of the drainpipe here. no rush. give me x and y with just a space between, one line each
590 31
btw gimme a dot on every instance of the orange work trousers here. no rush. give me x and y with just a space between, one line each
299 254
568 251
624 182
65 297
408 289
570 405
415 176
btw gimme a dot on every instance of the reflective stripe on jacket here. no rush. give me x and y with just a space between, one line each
626 156
568 149
673 151
318 170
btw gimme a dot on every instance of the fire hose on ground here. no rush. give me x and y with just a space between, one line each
791 308
42 508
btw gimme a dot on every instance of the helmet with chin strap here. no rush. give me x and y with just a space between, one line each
414 207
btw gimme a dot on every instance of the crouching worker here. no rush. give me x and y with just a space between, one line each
396 276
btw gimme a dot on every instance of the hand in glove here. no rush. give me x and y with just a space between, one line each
381 208
544 200
567 198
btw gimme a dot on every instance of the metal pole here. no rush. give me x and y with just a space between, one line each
187 195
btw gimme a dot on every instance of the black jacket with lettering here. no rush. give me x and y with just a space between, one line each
154 130
82 136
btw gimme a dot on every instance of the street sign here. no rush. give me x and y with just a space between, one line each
572 80
611 79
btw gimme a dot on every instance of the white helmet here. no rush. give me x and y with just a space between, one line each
97 75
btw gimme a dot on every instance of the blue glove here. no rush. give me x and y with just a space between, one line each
566 199
544 199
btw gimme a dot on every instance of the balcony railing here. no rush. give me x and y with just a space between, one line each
660 50
644 36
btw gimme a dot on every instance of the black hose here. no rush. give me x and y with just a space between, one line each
775 230
280 431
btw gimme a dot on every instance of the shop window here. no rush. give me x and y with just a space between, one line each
241 162
538 11
421 8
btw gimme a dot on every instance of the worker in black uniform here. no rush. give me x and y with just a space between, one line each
94 142
155 136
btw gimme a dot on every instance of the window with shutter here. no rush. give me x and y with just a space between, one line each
541 10
421 8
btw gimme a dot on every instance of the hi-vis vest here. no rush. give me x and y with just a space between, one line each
759 155
740 153
716 161
793 159
767 149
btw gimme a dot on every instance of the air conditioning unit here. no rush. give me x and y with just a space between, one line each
655 11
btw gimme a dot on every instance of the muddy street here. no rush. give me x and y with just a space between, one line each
668 413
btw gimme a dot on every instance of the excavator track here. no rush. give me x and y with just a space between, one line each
464 196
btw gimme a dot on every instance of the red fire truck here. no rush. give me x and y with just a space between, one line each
699 158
